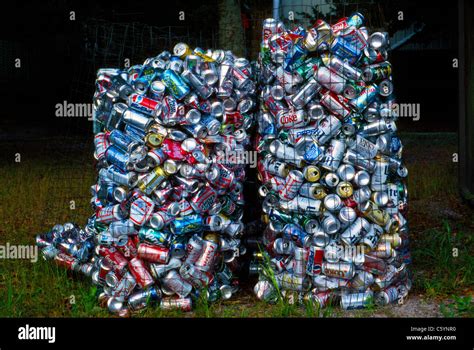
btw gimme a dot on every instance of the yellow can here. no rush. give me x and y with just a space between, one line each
344 189
312 173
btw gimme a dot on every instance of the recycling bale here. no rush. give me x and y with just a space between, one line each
168 201
333 182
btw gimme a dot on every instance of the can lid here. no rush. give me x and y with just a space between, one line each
114 305
189 144
218 55
277 92
119 194
229 104
316 111
380 198
181 50
170 166
347 214
217 108
320 239
362 178
210 76
245 105
346 172
378 40
385 88
332 202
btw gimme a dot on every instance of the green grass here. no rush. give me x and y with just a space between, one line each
444 271
459 307
36 193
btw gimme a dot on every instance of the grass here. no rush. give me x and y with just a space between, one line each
446 256
36 194
460 307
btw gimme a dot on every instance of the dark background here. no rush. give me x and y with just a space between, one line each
59 57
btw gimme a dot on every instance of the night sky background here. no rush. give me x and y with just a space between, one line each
59 63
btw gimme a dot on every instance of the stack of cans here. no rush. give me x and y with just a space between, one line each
169 136
330 165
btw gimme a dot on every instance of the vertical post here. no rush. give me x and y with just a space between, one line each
276 9
466 103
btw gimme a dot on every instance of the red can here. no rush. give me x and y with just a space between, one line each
141 210
140 273
129 250
173 149
101 144
350 202
145 104
183 304
234 118
208 252
67 261
203 200
114 256
153 253
337 104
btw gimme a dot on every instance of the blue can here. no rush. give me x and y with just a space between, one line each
355 20
136 134
212 124
313 154
119 176
152 236
395 144
295 57
187 224
110 194
176 64
117 157
123 141
147 73
296 234
365 98
178 249
349 46
141 85
176 86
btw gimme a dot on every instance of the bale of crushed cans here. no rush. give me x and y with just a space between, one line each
168 202
330 165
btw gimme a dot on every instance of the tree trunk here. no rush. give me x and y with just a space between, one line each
231 32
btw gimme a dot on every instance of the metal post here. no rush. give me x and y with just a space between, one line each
276 9
466 104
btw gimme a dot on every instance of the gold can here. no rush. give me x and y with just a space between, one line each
393 226
394 239
383 250
211 237
258 256
154 140
318 37
372 212
182 50
319 191
344 189
265 219
312 173
205 57
153 179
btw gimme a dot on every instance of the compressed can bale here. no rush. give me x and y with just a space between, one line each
168 199
330 167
